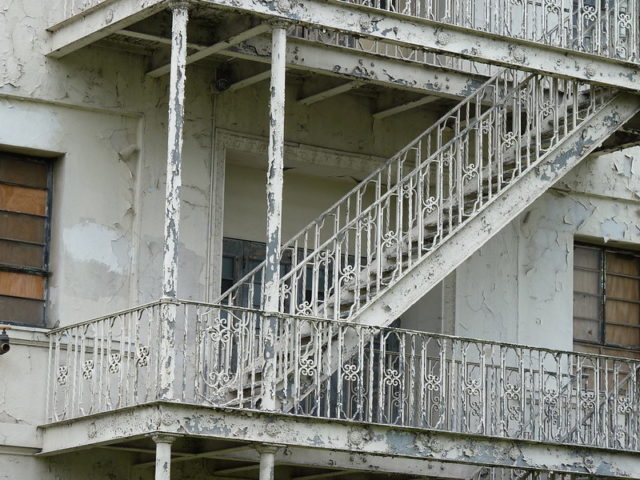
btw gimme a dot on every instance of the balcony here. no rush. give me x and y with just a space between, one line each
337 371
591 40
607 28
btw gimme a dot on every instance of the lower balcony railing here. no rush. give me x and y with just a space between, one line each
341 371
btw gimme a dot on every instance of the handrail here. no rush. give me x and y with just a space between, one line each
477 97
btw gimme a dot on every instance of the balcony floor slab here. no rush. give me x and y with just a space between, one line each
337 436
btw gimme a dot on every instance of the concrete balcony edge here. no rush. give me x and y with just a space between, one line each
313 433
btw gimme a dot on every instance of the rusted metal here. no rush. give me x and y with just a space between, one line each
603 27
403 212
87 26
357 19
353 58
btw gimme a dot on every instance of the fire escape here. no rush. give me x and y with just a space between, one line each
306 352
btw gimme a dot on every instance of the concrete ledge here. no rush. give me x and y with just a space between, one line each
17 435
291 431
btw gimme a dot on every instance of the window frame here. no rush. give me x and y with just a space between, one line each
603 296
43 271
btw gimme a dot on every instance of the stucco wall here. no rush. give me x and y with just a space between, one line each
104 123
519 287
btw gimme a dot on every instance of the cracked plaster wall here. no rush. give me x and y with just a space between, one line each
104 122
519 286
108 125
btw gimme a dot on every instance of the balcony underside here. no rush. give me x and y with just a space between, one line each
362 22
413 450
240 48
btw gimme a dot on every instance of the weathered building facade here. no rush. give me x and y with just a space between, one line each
247 239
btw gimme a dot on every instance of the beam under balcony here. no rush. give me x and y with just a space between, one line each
347 63
86 28
373 69
329 459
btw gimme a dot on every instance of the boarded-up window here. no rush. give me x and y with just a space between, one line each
25 191
606 301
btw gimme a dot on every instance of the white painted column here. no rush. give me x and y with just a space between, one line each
163 456
172 207
267 461
274 210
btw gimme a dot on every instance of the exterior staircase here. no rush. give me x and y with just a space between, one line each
437 201
415 219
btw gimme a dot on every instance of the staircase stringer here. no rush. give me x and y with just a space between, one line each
478 230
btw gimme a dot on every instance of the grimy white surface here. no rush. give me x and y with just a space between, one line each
105 123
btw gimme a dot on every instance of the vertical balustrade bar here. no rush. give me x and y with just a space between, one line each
177 79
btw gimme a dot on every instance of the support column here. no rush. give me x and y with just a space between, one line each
163 456
274 210
169 308
267 461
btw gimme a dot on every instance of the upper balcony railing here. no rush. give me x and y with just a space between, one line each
607 28
348 372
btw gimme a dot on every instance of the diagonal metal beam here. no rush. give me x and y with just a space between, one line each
103 20
204 52
440 37
331 92
150 451
245 468
260 77
154 38
403 108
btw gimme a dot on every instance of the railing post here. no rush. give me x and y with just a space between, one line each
163 456
180 12
274 211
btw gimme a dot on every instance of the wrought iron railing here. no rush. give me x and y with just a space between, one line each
609 28
408 207
104 364
349 372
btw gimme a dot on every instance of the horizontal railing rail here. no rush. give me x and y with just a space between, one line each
349 372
